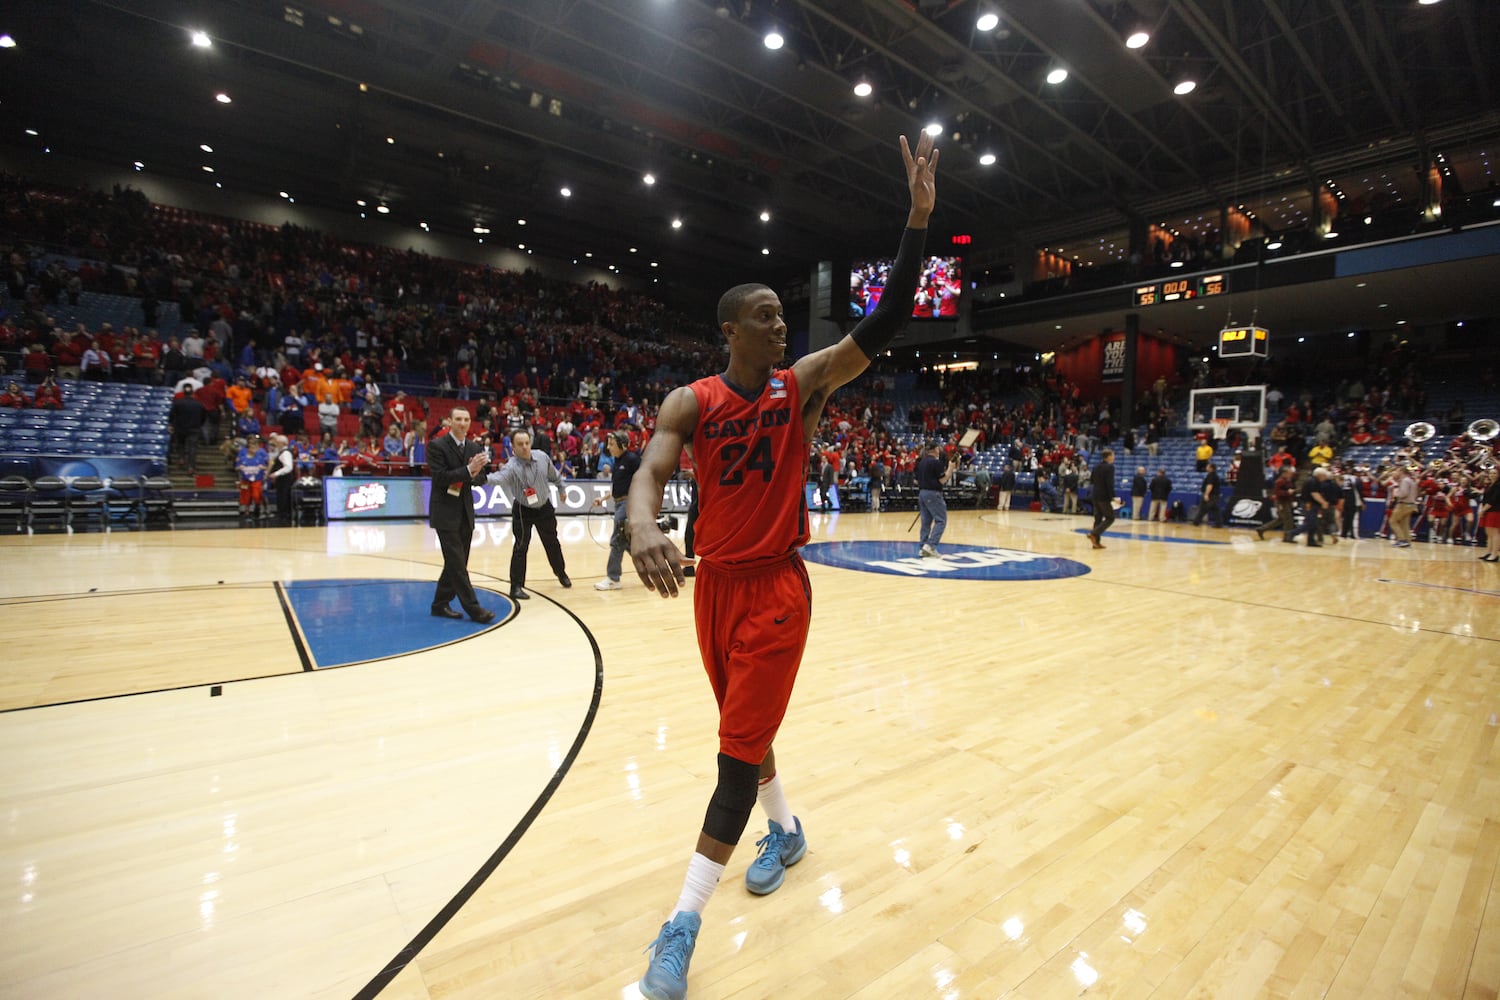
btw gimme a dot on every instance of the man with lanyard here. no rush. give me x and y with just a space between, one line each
932 469
621 473
526 480
1102 496
750 429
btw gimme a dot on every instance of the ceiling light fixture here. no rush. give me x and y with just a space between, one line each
1137 40
988 21
205 147
774 40
648 179
207 169
383 209
1057 75
986 159
202 41
864 88
934 129
765 216
676 223
1185 87
7 42
765 251
222 98
566 192
139 165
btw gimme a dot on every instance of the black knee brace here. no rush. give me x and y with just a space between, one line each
733 800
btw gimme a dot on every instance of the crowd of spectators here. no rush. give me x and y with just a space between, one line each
297 333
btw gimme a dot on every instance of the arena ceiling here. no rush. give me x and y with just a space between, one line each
465 113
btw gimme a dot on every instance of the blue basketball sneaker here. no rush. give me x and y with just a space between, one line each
778 851
666 975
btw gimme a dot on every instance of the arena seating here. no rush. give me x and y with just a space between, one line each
113 428
94 309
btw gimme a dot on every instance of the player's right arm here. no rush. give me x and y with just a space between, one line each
657 561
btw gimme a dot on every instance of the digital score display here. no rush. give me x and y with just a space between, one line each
1244 342
1180 289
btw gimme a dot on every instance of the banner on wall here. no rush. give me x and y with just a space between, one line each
1113 369
367 497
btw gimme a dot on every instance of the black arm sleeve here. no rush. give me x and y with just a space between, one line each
875 332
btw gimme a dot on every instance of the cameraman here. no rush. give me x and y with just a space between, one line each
625 464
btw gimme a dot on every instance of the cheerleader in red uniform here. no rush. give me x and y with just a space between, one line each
1439 512
1462 510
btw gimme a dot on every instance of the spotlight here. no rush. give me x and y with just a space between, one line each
988 21
1185 87
863 89
1137 40
222 98
986 159
202 41
765 216
648 179
566 192
676 223
774 40
1057 76
7 42
934 129
205 147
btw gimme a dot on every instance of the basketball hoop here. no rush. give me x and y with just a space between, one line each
1221 428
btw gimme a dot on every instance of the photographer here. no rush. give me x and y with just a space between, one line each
624 466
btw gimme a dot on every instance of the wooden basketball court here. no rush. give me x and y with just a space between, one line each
1234 769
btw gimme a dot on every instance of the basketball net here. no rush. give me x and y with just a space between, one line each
1221 428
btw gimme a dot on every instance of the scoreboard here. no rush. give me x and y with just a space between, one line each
1244 342
1180 289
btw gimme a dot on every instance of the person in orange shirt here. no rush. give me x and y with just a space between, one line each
238 396
343 389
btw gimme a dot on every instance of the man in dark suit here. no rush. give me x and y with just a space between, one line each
1102 496
454 462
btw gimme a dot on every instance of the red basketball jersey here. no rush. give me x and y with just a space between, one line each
751 463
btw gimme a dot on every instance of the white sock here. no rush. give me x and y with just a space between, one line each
773 800
702 877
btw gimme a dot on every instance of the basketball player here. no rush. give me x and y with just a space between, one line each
749 429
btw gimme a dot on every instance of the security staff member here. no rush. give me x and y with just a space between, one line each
623 471
453 461
525 480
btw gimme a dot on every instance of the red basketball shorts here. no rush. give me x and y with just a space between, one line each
752 628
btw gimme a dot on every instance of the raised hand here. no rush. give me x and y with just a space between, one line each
921 169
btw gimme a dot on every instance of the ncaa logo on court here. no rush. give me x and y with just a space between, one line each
954 562
1246 507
